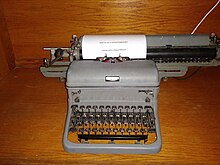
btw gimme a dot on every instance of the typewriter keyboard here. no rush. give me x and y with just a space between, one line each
112 124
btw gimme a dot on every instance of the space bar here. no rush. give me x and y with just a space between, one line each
112 137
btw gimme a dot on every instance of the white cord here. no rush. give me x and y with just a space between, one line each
205 16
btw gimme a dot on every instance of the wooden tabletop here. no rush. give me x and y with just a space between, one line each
33 110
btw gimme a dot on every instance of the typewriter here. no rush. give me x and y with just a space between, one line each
113 84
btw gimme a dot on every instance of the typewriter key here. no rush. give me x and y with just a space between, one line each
87 129
115 130
135 130
122 130
81 130
108 130
101 130
95 130
73 129
152 129
129 130
142 130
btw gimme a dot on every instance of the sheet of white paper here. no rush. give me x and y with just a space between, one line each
132 46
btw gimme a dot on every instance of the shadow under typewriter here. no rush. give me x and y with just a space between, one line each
109 125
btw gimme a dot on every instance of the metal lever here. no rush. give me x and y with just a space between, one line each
59 56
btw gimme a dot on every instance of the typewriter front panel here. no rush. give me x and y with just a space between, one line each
114 119
118 115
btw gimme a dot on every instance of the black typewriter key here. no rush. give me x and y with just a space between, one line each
87 129
117 115
81 130
79 123
104 116
130 116
108 130
74 129
129 130
152 129
95 130
115 130
122 130
124 116
142 130
146 124
135 130
111 116
101 130
84 115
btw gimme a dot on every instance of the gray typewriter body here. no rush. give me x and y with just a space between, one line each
113 103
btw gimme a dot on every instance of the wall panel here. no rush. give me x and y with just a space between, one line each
36 24
7 61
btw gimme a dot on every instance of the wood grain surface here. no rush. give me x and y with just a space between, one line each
33 110
34 24
7 61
